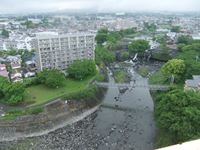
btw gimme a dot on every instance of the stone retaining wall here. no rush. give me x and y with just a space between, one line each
27 125
56 114
36 125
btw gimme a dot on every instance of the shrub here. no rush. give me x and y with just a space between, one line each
81 69
87 93
30 81
51 78
178 113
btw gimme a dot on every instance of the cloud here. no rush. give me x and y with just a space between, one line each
149 5
99 5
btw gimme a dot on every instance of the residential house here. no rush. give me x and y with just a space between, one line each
31 66
16 74
14 59
15 62
3 71
193 84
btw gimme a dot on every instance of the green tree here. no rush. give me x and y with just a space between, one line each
55 79
180 46
125 55
51 78
178 113
102 55
27 55
11 93
138 46
41 76
14 93
190 54
5 33
192 47
29 24
3 84
114 37
174 68
102 36
161 39
150 26
45 22
127 31
184 39
176 29
163 54
81 69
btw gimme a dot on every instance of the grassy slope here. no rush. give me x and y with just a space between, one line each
41 94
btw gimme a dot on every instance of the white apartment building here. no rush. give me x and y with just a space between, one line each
59 51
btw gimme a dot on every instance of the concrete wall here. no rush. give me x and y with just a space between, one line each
33 125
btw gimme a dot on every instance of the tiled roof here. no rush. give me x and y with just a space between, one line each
2 65
4 73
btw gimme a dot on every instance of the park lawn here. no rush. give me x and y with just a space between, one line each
40 94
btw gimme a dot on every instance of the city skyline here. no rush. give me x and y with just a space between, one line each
31 6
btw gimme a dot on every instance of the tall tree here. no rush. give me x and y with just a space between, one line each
102 55
175 29
102 36
51 78
5 33
14 93
138 46
11 93
150 26
178 113
3 84
184 39
174 68
81 69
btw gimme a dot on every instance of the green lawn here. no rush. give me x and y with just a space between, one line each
40 94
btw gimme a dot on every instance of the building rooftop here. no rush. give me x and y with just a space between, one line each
193 83
44 35
3 71
2 65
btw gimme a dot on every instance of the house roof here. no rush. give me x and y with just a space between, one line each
2 65
194 83
4 73
15 65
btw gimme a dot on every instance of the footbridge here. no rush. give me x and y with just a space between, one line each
132 85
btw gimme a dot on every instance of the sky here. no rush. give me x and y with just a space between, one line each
24 6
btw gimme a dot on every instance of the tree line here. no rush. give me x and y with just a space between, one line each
177 111
13 93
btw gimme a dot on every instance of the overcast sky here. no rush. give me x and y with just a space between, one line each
21 6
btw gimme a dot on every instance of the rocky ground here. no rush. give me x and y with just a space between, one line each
122 123
84 135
